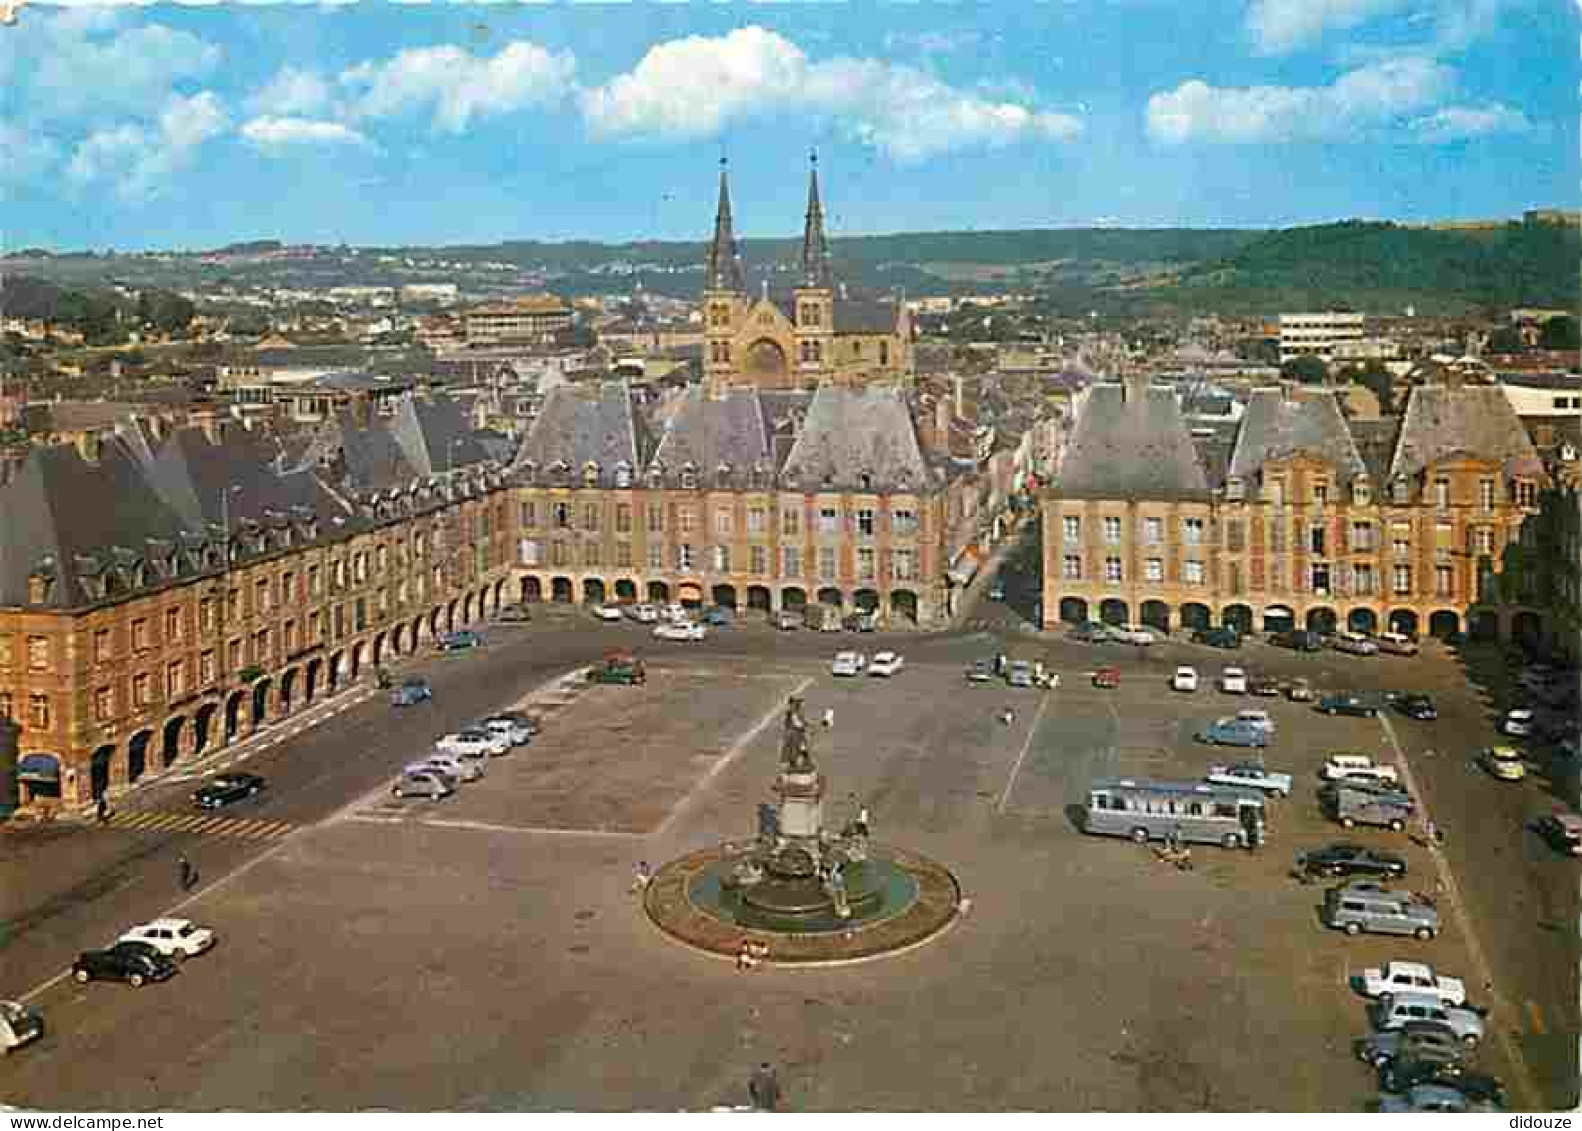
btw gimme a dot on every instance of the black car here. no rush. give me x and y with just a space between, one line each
1343 859
1092 633
1415 706
1217 637
1348 703
982 671
133 962
1265 685
1298 640
1476 1086
227 788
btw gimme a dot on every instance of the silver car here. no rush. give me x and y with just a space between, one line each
418 783
1402 1009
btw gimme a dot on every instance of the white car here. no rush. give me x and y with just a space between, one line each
1133 634
1413 978
643 613
1185 679
848 663
1357 766
673 612
1233 681
174 938
1252 776
608 612
1517 723
885 663
512 730
475 741
680 630
453 766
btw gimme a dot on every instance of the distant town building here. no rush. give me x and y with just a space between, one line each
530 318
1318 334
443 293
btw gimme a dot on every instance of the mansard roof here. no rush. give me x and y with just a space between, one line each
857 439
1283 422
579 425
1478 420
714 433
1131 443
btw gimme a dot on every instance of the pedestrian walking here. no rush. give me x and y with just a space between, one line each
829 718
862 824
187 873
642 875
764 1088
101 810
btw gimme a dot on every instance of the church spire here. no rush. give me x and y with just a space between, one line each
815 252
724 269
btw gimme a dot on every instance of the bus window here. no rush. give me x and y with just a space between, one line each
1224 809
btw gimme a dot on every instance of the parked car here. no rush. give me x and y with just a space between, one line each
1426 1099
997 591
1399 977
1349 703
1093 633
1353 643
514 614
1397 644
1134 634
1345 859
513 731
1340 766
1185 679
643 613
1397 1009
609 612
476 742
886 664
174 938
1233 681
1256 717
227 789
1483 1092
1415 1041
529 722
411 692
459 641
981 671
1518 723
131 962
1377 803
1504 763
1107 677
1252 776
787 621
456 766
848 663
1355 908
719 616
1299 691
1415 705
1217 637
681 630
1233 732
19 1025
422 783
1298 640
1563 831
620 667
1267 686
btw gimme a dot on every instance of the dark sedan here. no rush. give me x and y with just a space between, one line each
131 962
1348 703
1217 637
1342 859
227 789
459 641
1419 707
1265 685
981 671
1092 633
1476 1086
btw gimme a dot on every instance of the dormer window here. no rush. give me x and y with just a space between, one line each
560 468
623 474
689 476
1235 488
1400 491
590 474
865 480
1361 491
529 468
723 472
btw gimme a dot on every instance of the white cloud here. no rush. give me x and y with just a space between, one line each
84 63
282 133
28 154
292 92
932 42
1464 123
142 159
457 85
696 86
1353 107
1278 26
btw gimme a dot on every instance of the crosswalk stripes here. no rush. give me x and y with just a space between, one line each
202 824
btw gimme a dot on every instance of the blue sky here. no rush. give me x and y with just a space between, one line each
191 126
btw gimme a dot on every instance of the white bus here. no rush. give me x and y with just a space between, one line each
1153 810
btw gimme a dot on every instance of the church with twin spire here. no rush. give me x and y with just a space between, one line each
814 334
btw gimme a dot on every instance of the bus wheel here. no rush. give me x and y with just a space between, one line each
1231 840
1140 835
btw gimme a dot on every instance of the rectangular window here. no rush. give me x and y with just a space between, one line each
590 553
1320 494
1441 493
722 521
1444 581
1277 536
1112 530
315 626
757 520
1112 569
530 514
1400 546
261 595
172 625
656 556
623 518
1154 530
791 521
261 644
791 561
1403 580
1192 530
590 516
828 520
722 559
686 519
559 555
104 704
1484 540
1315 539
38 653
1071 527
904 563
903 521
38 712
759 560
865 523
1233 581
1486 494
1362 580
1071 568
656 518
101 645
1192 572
176 674
1362 536
865 563
315 586
826 563
1154 569
684 556
140 635
1277 492
530 551
1320 577
141 686
623 555
206 614
1235 535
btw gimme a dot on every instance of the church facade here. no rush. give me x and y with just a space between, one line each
813 335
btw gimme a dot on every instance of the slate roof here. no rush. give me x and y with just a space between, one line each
582 424
1442 420
1375 440
435 435
1280 423
850 433
711 432
1131 447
